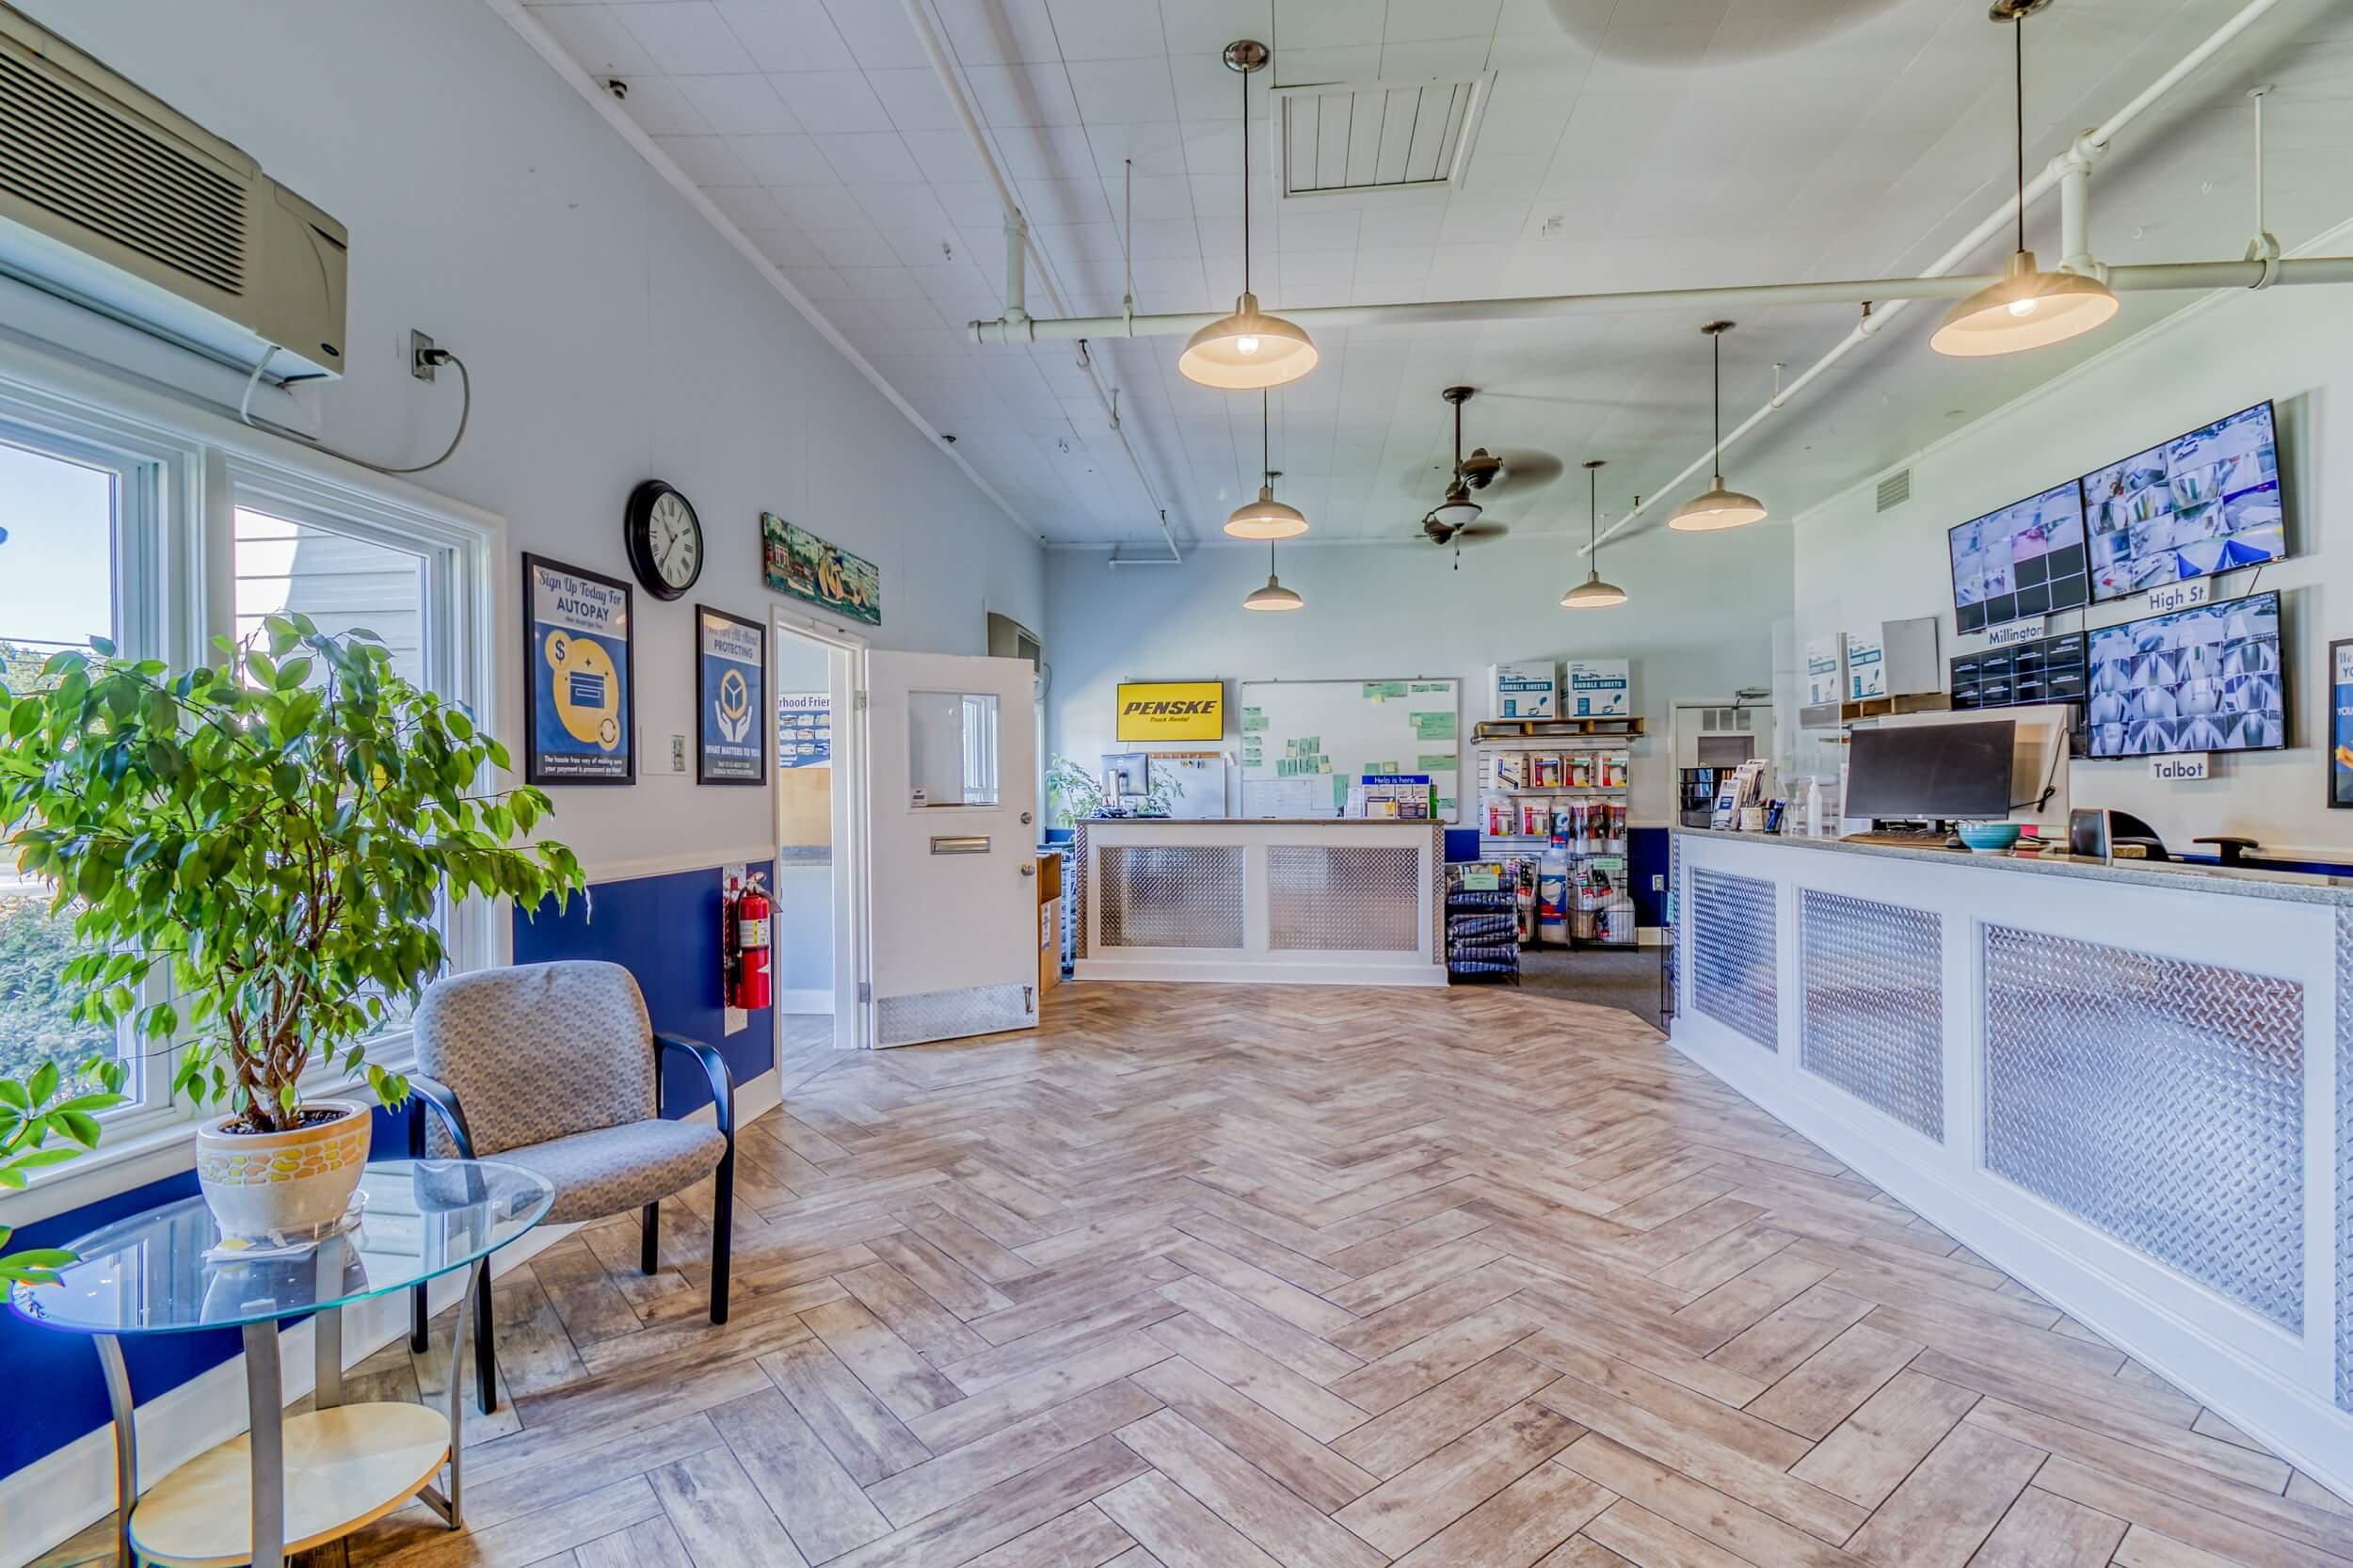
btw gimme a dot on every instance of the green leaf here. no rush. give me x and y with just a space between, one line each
105 645
292 673
80 1126
44 1084
264 668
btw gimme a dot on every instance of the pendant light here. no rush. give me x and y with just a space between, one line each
1273 596
1718 507
1266 517
2030 307
1249 348
1592 594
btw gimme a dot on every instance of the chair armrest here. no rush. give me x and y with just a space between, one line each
432 1093
715 1068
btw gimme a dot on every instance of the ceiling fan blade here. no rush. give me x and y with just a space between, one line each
1482 532
1528 471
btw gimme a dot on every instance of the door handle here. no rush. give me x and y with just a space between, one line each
1029 869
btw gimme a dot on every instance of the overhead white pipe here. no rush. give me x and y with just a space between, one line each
2074 164
1018 246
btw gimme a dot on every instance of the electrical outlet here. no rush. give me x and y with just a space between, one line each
1657 883
678 754
419 354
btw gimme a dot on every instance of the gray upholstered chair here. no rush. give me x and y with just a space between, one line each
555 1067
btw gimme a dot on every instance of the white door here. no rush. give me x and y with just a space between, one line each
955 888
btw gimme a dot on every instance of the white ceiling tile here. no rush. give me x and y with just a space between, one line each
706 160
876 156
915 99
854 248
945 157
787 35
997 32
1169 237
1325 225
1022 94
737 106
967 202
1325 24
1207 90
1295 67
748 207
1467 221
879 34
787 247
1393 223
1042 152
923 247
779 161
818 284
831 101
1207 26
883 282
1065 201
1441 19
815 208
1300 269
1376 263
1156 199
1070 243
685 37
595 38
1216 196
1107 29
1218 152
1406 62
900 206
1110 92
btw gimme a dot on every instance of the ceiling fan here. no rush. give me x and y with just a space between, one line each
1455 520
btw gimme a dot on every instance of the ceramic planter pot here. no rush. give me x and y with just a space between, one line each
290 1184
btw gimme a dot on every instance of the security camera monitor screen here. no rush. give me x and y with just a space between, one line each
2207 502
2024 560
1930 770
2203 680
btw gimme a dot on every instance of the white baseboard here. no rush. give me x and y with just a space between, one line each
71 1488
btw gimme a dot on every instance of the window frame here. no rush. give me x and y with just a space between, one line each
182 472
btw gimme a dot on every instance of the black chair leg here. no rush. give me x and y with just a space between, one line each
722 1234
649 1239
485 1352
417 1311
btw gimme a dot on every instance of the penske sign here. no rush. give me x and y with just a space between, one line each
1172 710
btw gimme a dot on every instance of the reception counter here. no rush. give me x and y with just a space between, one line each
1294 902
2129 1086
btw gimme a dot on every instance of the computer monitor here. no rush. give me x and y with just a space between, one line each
1933 772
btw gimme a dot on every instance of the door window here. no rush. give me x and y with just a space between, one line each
952 750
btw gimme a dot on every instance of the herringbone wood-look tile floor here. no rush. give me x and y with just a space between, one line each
1232 1277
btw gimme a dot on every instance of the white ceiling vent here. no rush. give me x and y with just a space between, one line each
1895 490
1350 138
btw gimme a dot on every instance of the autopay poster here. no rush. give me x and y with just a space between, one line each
579 625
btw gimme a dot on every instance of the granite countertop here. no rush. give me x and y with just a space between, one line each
2286 887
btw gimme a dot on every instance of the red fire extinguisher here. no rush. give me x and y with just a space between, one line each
747 932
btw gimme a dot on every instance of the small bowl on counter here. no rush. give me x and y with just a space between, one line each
1989 838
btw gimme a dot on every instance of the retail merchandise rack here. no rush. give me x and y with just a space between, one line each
1552 807
1482 922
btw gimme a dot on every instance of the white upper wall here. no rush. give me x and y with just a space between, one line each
1855 566
612 334
1699 627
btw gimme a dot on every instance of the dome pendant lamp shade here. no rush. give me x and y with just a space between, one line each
1458 510
1248 350
1592 594
1273 596
1266 517
2030 307
1719 506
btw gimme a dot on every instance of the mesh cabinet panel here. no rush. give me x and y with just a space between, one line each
2345 1158
1170 896
1349 898
1874 1005
2157 1098
1733 954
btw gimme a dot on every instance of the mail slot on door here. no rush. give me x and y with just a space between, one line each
968 843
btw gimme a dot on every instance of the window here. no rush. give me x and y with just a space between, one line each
952 748
58 590
339 578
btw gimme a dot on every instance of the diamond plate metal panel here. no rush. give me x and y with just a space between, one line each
1437 892
1733 954
1085 868
954 1014
1873 1004
2345 1158
1349 898
2157 1098
1170 896
1675 920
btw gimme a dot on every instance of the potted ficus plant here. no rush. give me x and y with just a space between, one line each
276 834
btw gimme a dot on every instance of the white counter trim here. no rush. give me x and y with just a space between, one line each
2275 1383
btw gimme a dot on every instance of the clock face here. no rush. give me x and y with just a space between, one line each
664 540
676 538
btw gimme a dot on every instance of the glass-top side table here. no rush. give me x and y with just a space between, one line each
292 1482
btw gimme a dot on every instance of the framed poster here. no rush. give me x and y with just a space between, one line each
2340 724
803 729
579 713
796 561
730 702
1172 710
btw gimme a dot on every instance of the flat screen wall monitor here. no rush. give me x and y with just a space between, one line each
2027 559
2204 679
1934 772
2049 670
2204 503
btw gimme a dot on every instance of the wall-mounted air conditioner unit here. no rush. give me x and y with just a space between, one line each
111 198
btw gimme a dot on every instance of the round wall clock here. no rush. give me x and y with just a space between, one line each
664 540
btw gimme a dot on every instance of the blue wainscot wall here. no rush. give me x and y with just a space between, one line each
663 929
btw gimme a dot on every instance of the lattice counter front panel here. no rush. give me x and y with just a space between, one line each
1733 954
1873 1004
2158 1099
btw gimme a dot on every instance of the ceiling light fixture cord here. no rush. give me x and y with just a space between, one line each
1717 338
1592 515
2019 40
1245 179
1266 448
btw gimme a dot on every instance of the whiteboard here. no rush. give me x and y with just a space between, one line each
1304 742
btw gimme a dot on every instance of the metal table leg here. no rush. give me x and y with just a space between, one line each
126 1444
449 1506
265 1412
326 1381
